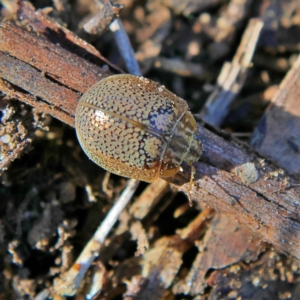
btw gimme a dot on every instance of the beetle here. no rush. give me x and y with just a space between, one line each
136 128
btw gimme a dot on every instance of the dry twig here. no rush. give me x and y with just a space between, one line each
232 77
70 281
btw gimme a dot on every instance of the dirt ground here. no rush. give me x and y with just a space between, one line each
53 198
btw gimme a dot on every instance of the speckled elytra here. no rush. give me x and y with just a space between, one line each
136 128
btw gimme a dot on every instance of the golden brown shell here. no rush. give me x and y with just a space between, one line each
134 127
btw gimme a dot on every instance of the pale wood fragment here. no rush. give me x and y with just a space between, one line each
277 136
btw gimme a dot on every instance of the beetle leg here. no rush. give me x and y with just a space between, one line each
193 172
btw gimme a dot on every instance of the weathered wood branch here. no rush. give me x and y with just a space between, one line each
53 75
230 177
233 179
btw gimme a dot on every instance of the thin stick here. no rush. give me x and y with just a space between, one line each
44 294
125 47
109 15
70 281
232 77
114 213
